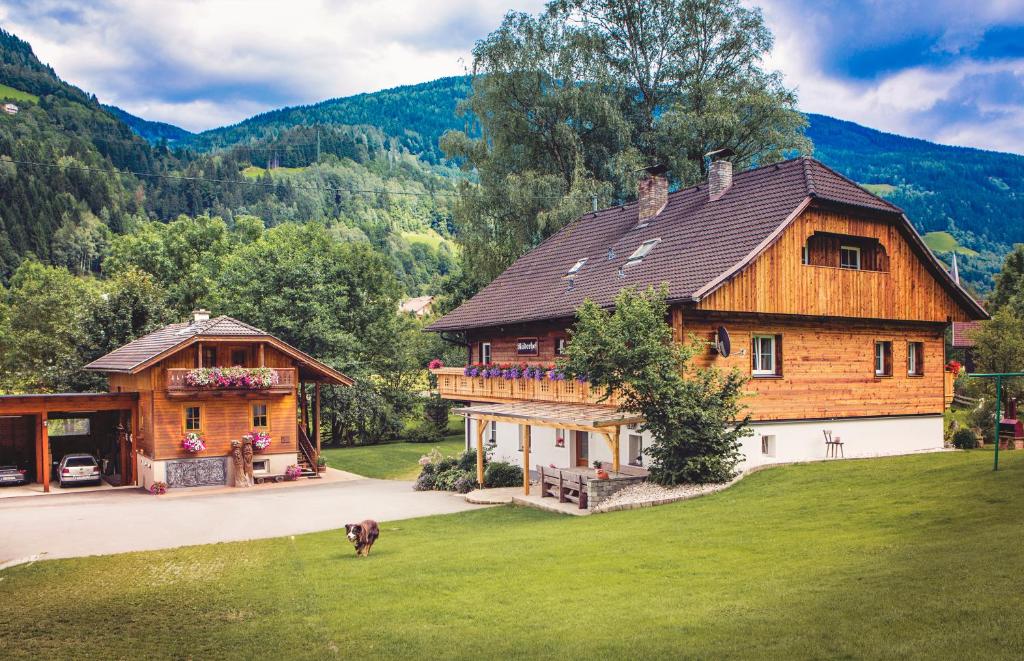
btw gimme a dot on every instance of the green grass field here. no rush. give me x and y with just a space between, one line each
8 93
879 189
946 242
253 172
911 557
389 461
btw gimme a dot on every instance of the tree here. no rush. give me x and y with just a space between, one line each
1010 282
571 102
694 414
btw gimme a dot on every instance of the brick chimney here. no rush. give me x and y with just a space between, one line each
652 192
719 173
200 315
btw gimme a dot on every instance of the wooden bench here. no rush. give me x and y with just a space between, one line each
565 485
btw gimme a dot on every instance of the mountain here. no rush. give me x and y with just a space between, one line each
152 132
415 115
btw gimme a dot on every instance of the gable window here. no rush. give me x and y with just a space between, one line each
883 358
260 415
915 358
485 352
766 352
576 267
192 418
641 252
849 257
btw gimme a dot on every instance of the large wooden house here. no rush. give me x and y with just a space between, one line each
820 292
219 379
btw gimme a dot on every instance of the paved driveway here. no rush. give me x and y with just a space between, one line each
130 520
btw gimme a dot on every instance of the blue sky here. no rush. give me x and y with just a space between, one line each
943 70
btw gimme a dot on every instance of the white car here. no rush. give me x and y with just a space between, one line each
78 469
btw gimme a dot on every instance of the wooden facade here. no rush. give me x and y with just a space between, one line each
825 320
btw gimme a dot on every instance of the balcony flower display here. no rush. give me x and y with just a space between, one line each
193 442
238 378
513 372
260 440
435 364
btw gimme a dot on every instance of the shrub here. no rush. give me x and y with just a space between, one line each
502 474
467 461
446 464
424 432
426 480
466 483
446 480
965 439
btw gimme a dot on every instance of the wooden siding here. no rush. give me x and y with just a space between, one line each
454 385
828 369
503 344
778 283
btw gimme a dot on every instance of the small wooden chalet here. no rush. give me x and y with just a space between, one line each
213 379
820 292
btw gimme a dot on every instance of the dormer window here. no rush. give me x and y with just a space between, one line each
849 257
576 267
642 251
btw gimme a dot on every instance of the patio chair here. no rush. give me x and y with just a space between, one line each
833 445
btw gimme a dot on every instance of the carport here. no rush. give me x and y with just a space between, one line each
25 427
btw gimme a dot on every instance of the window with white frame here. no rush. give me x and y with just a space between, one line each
849 257
765 355
485 352
559 438
883 358
636 450
768 446
576 267
915 358
642 251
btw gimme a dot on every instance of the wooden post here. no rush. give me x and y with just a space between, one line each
480 452
316 418
44 437
38 435
302 406
526 459
262 356
615 447
133 448
199 348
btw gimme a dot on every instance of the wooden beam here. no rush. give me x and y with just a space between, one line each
540 422
44 438
37 437
616 434
199 350
262 355
134 447
526 459
316 417
480 453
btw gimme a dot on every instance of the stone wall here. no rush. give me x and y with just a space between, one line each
599 491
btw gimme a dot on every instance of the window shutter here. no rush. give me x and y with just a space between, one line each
778 355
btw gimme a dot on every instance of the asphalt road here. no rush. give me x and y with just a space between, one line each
103 522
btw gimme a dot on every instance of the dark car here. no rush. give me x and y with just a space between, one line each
12 475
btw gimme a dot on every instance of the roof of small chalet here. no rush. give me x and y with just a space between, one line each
141 353
703 242
963 333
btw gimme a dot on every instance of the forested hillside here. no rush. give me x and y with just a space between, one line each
152 132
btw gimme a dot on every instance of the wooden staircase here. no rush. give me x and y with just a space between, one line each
307 454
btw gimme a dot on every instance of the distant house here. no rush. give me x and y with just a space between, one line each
962 341
217 378
11 109
421 306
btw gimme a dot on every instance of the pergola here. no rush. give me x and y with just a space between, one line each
603 420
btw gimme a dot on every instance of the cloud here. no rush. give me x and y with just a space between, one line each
925 69
203 63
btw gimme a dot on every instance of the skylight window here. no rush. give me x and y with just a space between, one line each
576 267
642 251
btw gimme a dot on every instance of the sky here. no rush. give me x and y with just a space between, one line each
950 71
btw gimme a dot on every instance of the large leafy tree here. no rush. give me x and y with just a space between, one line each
695 414
571 102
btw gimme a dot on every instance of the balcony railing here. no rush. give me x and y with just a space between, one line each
284 383
453 384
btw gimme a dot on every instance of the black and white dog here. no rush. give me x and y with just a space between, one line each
362 535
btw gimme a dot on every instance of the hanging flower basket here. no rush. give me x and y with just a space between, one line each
260 440
193 443
232 378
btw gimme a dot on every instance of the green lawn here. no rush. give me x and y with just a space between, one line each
916 556
879 189
946 242
8 93
389 461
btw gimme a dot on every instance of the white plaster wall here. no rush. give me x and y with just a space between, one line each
150 471
864 437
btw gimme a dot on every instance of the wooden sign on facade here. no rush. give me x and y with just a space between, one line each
527 346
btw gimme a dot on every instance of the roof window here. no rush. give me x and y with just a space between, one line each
642 251
576 267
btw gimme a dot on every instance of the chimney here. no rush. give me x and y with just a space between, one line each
719 172
200 315
652 192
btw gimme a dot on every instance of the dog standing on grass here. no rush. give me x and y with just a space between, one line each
362 535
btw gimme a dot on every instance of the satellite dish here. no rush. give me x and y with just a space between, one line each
723 345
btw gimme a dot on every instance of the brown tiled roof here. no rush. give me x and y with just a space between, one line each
702 242
963 333
136 354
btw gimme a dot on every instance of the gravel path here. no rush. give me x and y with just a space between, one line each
648 494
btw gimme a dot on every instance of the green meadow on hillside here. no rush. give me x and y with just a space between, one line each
946 242
8 93
908 557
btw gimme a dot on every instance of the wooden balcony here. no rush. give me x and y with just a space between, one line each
453 384
287 378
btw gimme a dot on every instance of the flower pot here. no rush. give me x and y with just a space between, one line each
602 474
